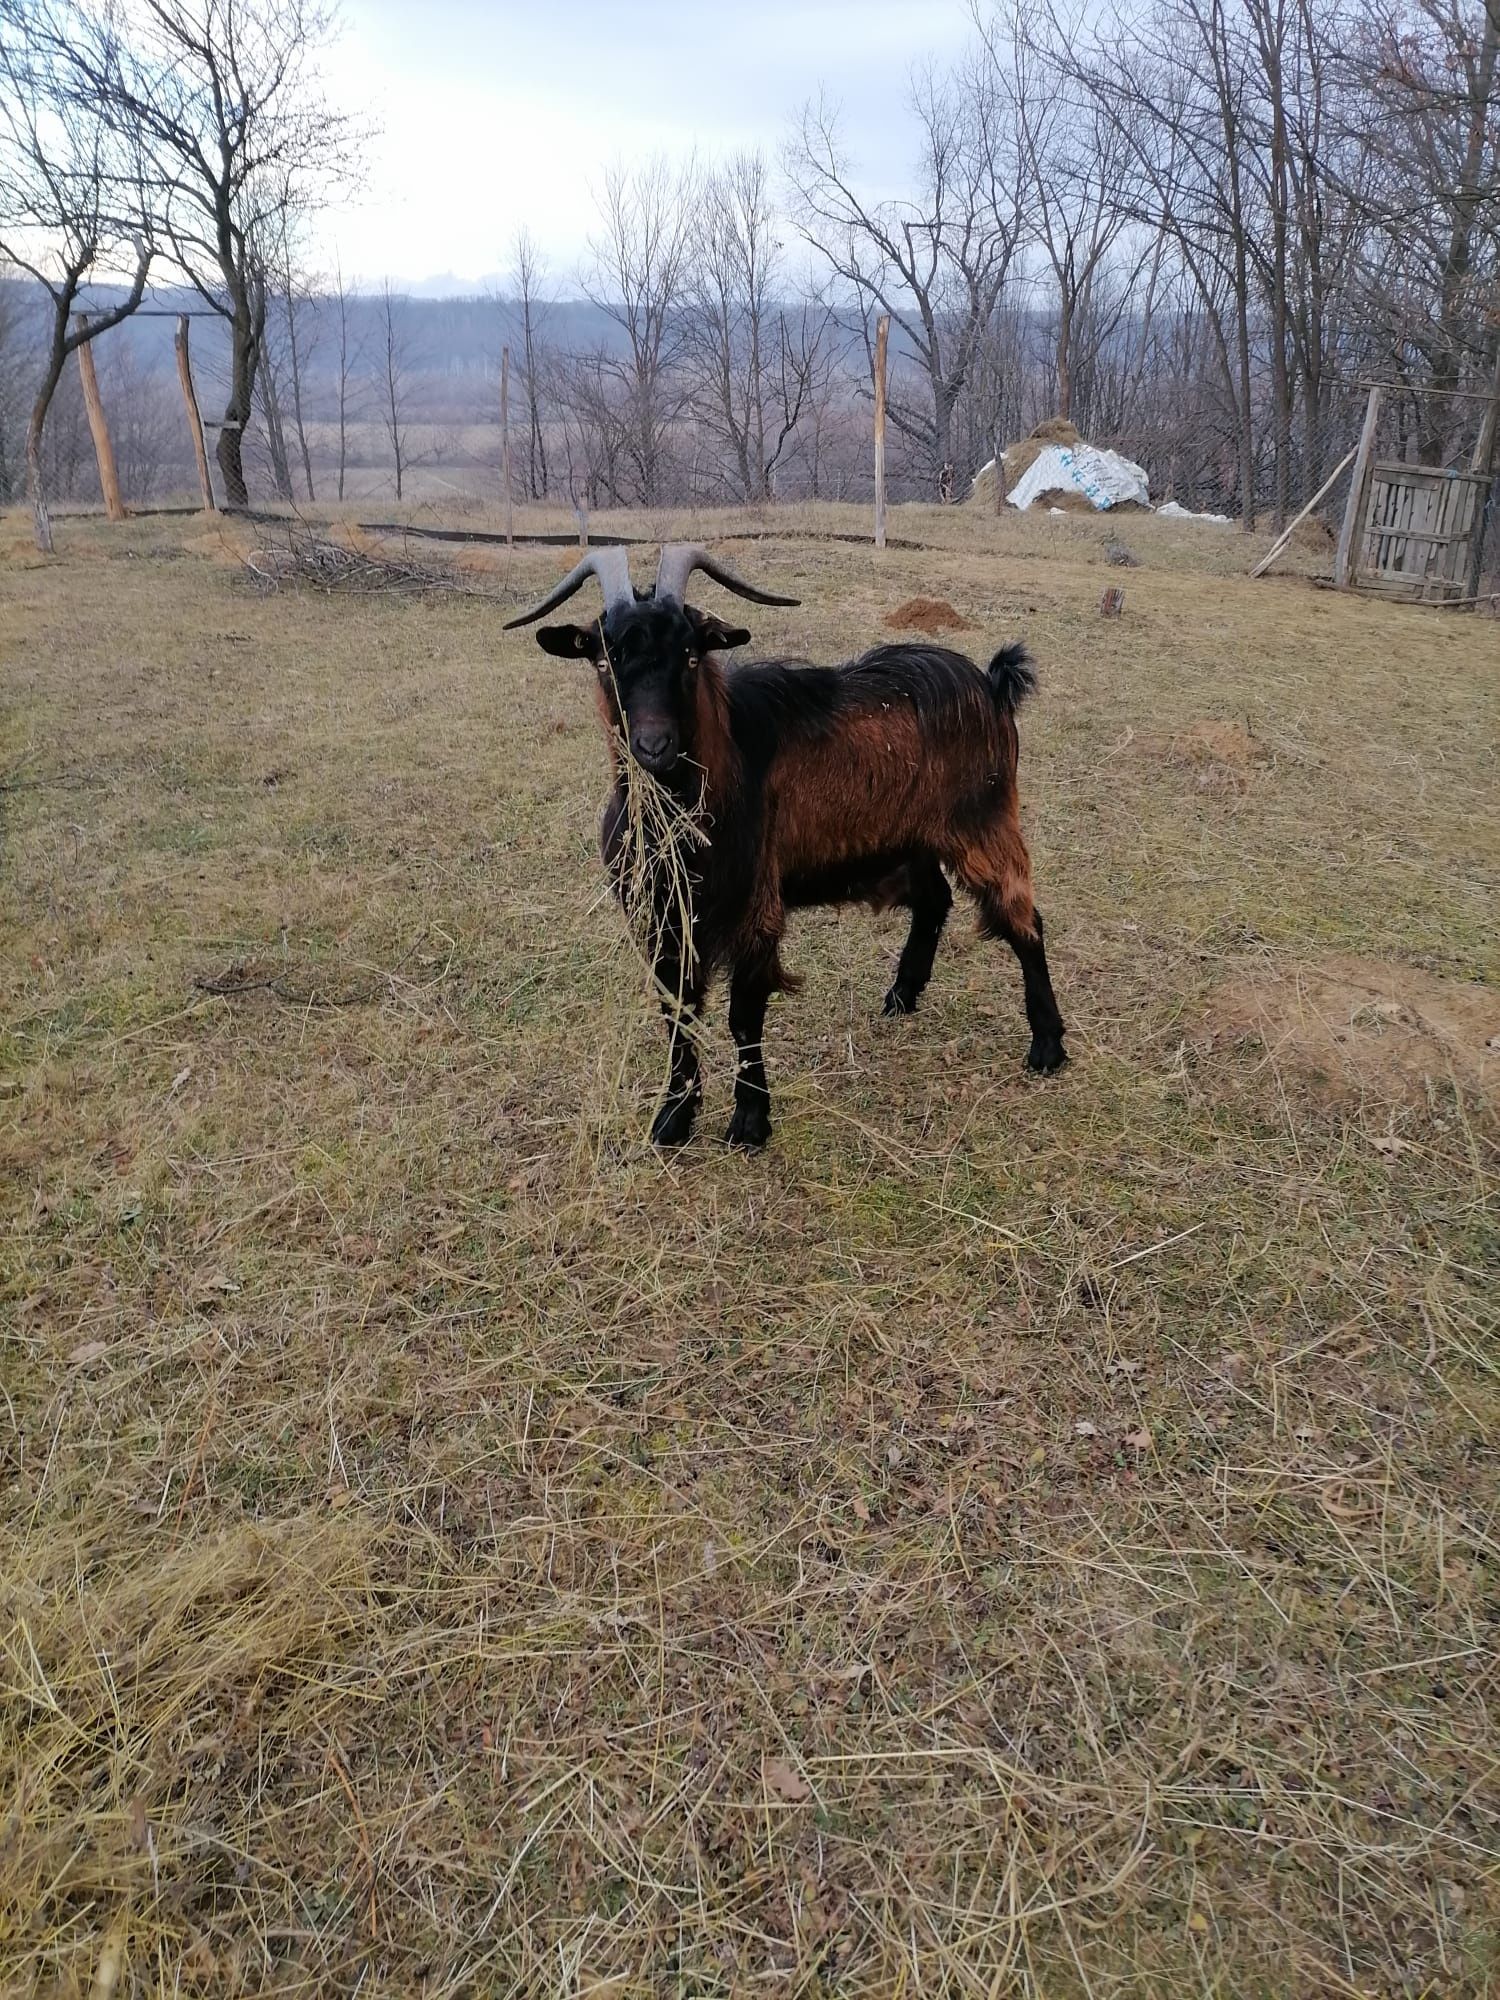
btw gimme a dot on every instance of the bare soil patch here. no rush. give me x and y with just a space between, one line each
926 614
1370 1025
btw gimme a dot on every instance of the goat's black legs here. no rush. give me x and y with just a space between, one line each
749 990
930 901
682 999
1046 1052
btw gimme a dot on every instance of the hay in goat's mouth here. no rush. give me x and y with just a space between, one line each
655 883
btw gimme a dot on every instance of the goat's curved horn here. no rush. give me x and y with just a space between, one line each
680 559
612 568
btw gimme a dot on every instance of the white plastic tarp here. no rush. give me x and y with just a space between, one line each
1169 510
1104 478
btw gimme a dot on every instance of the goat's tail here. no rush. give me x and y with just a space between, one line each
1011 677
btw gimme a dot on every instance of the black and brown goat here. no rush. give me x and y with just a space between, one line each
861 783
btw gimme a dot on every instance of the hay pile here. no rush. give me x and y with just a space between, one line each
1021 456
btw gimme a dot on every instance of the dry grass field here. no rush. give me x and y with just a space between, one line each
1016 1535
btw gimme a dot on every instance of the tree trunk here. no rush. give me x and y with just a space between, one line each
35 484
40 517
230 449
1064 357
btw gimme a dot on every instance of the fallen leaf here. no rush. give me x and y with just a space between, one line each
140 1826
785 1782
861 1511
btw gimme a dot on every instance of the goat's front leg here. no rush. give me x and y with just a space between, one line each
681 1003
753 983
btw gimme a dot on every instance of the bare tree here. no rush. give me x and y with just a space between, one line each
71 187
1077 165
640 261
244 140
350 355
291 339
528 309
938 261
752 362
393 382
1426 77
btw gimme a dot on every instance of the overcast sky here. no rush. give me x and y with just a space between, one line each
498 115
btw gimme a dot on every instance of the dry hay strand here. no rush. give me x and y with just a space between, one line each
1369 1026
653 879
926 614
143 1685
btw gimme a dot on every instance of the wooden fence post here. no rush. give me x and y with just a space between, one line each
1359 484
104 451
882 341
510 539
195 422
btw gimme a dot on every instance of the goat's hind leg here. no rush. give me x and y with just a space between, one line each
929 899
997 872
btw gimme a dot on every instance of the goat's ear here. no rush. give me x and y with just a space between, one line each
713 635
570 642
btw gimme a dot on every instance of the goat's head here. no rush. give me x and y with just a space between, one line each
646 646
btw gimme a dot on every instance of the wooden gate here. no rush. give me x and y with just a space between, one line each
1419 528
1415 531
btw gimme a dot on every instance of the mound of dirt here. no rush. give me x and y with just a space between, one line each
929 615
1368 1026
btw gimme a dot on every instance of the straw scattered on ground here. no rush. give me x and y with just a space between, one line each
1013 1536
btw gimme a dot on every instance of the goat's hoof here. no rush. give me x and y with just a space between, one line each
673 1124
1046 1054
900 1000
749 1128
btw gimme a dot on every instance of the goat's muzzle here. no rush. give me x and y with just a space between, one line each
655 746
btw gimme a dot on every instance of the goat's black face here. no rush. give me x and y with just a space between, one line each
647 658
